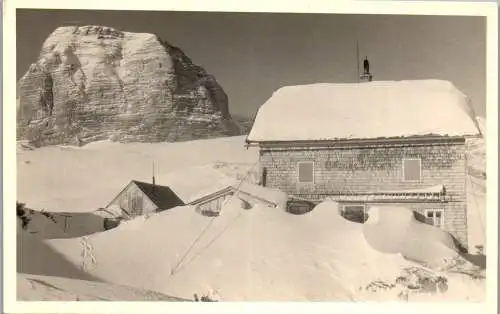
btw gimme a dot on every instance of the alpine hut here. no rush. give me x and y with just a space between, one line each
141 198
397 142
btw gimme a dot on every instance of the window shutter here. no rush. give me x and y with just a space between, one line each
306 172
411 169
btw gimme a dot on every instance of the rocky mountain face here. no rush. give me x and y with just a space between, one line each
93 83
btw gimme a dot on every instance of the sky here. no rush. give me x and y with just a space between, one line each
253 54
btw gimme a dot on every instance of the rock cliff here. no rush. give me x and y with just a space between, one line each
93 82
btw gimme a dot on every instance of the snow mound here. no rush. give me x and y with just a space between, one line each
242 254
48 288
369 110
394 229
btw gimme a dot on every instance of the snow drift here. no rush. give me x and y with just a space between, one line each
394 229
257 254
49 288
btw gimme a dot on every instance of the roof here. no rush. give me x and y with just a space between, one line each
373 110
111 211
263 194
209 195
161 196
207 181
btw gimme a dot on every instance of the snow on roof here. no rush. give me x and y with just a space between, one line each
273 196
382 109
192 183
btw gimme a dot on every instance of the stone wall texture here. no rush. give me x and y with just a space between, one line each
93 82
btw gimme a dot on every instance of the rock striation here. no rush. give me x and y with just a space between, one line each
94 82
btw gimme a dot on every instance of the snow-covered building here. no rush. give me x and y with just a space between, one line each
141 198
211 202
365 144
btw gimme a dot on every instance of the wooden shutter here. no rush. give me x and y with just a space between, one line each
306 172
411 169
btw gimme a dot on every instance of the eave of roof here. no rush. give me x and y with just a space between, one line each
410 140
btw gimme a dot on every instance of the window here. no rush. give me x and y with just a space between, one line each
306 172
435 217
412 169
355 212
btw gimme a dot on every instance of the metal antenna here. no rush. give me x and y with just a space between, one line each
357 60
153 172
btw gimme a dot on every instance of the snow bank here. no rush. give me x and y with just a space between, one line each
49 288
369 110
394 229
256 254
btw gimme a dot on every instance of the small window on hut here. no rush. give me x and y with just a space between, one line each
306 172
412 169
435 217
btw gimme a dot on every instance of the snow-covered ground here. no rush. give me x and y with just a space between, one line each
82 179
50 288
256 254
262 254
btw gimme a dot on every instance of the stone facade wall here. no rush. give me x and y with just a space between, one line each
352 169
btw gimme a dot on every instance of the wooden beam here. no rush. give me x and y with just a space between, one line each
414 140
